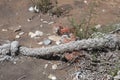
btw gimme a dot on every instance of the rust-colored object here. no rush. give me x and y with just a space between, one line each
74 56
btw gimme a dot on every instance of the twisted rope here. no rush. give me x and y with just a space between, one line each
108 41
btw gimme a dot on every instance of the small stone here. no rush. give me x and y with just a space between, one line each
85 2
45 22
117 77
4 30
41 19
31 34
98 26
40 43
41 25
50 22
31 9
47 42
21 33
29 20
54 66
118 73
46 65
36 9
58 42
52 77
38 33
17 36
54 38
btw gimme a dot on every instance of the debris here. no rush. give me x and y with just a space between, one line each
46 65
54 38
21 33
31 9
117 77
47 42
4 30
41 19
40 43
54 66
58 42
34 9
17 36
50 22
52 77
98 26
45 22
36 34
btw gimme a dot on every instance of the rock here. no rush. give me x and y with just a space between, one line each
4 30
118 73
17 36
50 22
31 9
52 77
46 65
40 43
54 38
45 22
58 42
31 34
117 77
34 9
98 26
21 33
54 66
36 34
47 42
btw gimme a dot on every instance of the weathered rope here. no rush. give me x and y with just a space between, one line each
108 41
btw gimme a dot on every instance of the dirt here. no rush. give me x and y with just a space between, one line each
14 13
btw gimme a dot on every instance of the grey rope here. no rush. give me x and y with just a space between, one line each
108 41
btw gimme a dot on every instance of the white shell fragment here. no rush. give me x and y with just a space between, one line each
54 66
52 77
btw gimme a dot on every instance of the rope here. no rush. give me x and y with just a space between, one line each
108 41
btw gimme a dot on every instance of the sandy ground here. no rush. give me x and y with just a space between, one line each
14 13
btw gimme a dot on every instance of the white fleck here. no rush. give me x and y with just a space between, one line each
41 25
40 43
103 10
17 36
31 9
54 66
41 19
46 65
98 26
52 77
21 33
4 30
45 22
50 22
58 42
85 2
39 33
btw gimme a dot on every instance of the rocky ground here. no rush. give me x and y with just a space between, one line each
37 30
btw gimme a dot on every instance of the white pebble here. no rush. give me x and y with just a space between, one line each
54 66
4 30
17 36
46 65
52 77
31 9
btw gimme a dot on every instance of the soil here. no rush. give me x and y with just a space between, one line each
14 13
